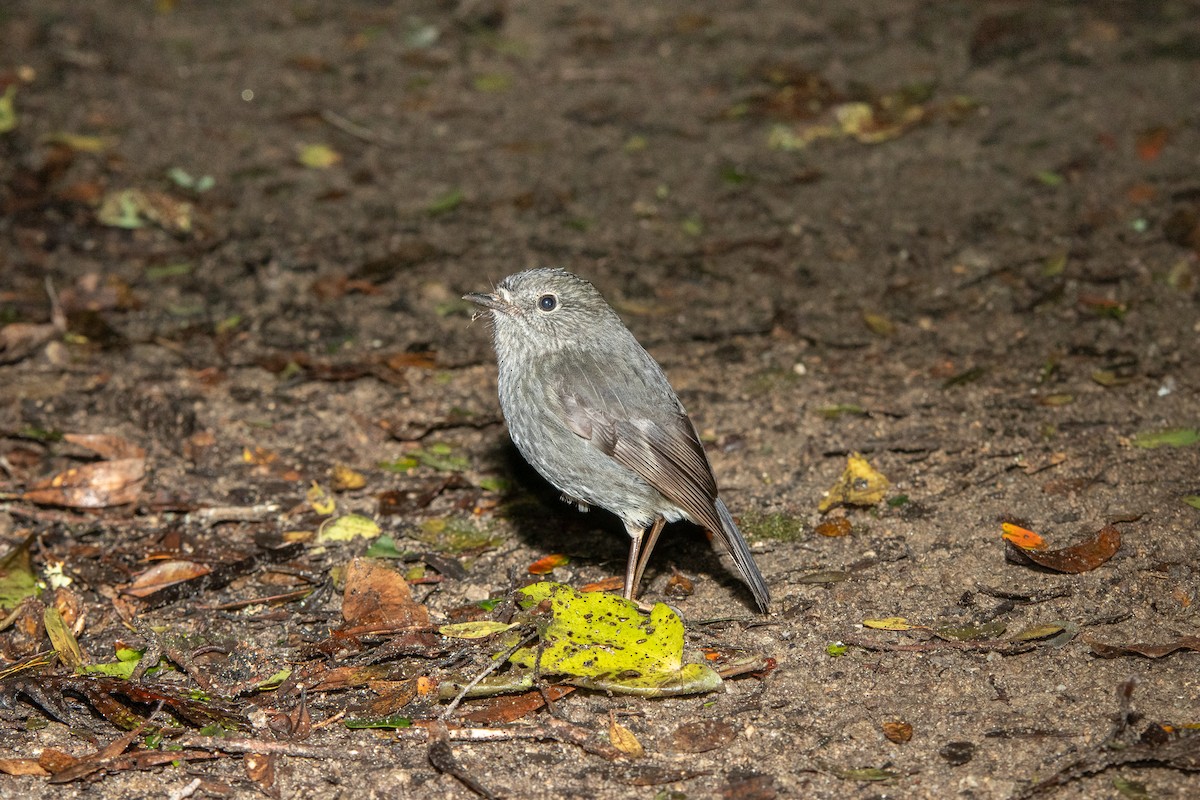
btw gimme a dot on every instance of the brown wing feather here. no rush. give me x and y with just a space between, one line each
667 454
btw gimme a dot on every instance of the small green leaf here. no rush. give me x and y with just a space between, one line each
1192 500
836 649
494 484
272 683
479 629
970 633
8 109
635 143
1049 178
404 464
492 82
841 409
446 203
122 209
1170 437
17 580
1134 790
385 547
382 722
1055 265
963 378
692 226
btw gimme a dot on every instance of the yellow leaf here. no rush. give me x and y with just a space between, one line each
62 639
623 739
888 624
320 500
860 485
351 526
318 156
346 479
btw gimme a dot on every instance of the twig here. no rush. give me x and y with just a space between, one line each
209 516
357 131
1002 646
441 757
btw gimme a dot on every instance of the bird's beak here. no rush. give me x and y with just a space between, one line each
492 301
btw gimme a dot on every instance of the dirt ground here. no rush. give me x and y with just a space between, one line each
962 239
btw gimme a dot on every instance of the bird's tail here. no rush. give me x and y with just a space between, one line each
731 537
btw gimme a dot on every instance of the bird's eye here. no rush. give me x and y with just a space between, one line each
547 302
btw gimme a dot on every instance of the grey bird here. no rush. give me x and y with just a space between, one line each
590 409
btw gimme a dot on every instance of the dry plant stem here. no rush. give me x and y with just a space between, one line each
441 757
1001 646
263 746
550 728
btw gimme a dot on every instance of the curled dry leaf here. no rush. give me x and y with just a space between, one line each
1082 557
100 485
19 340
106 445
547 564
1142 648
839 526
897 731
163 574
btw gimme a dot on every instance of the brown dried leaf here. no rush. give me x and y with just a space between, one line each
22 766
510 708
1143 649
1082 557
377 595
260 768
897 731
19 340
163 574
99 485
106 445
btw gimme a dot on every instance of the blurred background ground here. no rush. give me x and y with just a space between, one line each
959 238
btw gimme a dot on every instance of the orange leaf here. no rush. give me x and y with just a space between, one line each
1022 537
1150 143
606 585
1082 557
546 564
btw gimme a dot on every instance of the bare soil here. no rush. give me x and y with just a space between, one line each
990 293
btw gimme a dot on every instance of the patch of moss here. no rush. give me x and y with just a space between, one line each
776 526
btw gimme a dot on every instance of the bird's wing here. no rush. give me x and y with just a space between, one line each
665 451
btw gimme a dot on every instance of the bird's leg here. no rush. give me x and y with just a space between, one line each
636 532
647 549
